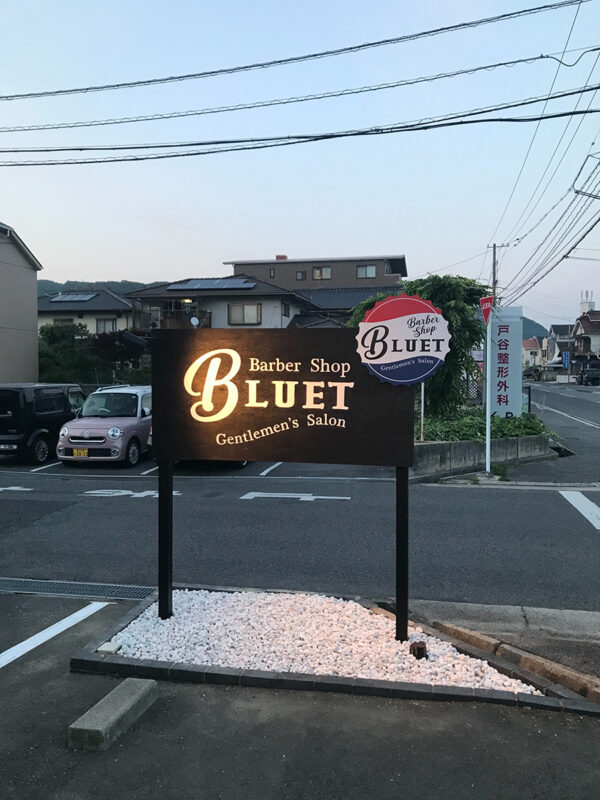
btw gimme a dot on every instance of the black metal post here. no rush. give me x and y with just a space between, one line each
401 554
165 538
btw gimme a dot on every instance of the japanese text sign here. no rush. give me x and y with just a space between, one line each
505 371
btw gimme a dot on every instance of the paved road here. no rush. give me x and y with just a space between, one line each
499 545
242 743
573 412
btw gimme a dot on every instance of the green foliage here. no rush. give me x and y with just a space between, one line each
500 470
470 425
70 353
458 300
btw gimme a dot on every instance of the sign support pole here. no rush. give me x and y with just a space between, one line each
401 554
488 398
165 538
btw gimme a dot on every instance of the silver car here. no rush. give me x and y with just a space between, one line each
113 425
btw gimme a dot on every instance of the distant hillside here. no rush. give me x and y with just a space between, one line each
532 328
119 287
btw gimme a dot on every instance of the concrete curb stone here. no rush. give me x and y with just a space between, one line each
88 660
113 715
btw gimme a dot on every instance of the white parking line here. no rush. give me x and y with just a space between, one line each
148 471
268 469
589 510
48 633
562 413
46 466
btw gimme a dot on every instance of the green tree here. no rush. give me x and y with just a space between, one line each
458 300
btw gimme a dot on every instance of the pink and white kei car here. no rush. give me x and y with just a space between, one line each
113 425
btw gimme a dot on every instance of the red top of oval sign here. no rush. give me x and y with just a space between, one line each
399 306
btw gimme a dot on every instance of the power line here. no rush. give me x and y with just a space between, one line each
516 229
587 231
289 100
518 178
297 59
394 127
286 141
553 238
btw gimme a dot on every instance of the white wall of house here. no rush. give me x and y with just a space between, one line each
271 307
89 319
18 315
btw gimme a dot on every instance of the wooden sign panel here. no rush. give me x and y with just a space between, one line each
282 395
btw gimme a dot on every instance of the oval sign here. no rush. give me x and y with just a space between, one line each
403 340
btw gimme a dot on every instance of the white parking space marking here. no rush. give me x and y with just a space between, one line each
14 489
290 496
46 466
49 633
148 471
124 493
589 510
562 413
268 469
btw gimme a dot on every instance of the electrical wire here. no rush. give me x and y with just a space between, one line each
520 223
286 141
553 239
520 173
394 127
288 100
587 231
297 59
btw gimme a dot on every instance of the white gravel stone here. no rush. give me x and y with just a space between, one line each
307 633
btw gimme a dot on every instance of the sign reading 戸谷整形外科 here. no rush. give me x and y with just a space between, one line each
505 371
284 395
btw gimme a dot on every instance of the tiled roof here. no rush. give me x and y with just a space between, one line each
588 323
98 300
345 299
253 287
314 321
531 344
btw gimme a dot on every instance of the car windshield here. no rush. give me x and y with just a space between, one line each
110 404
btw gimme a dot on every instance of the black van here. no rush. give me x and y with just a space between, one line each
31 416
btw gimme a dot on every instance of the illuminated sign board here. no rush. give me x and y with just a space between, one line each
284 395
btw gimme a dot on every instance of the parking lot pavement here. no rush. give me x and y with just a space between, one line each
255 744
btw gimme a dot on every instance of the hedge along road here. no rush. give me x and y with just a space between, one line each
468 544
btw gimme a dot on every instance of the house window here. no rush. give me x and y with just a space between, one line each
301 275
271 273
285 309
62 321
321 273
244 313
106 325
366 271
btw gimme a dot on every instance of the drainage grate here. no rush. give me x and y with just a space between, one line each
104 591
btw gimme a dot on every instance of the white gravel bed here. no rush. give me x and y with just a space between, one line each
304 633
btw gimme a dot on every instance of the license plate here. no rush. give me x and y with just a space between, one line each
80 453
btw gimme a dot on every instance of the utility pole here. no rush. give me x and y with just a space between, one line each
488 369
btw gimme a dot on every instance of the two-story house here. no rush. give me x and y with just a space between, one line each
18 311
235 301
299 274
100 310
586 335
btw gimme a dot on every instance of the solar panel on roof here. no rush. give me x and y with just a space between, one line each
212 283
72 298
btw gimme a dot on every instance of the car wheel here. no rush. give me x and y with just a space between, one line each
132 454
39 450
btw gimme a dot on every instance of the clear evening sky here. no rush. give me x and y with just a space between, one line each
436 196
